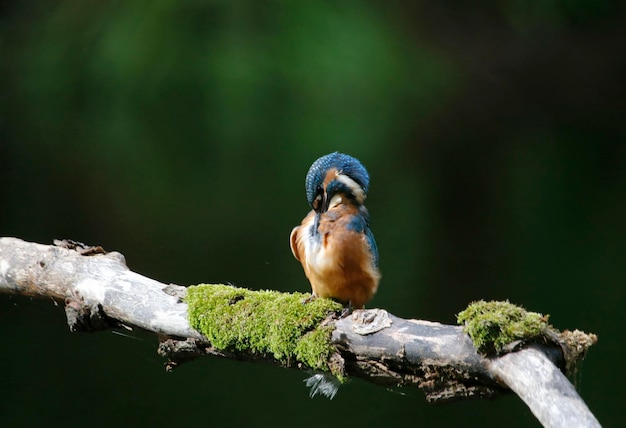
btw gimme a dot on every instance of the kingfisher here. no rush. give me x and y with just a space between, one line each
334 242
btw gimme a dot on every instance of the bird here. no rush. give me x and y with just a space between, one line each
334 242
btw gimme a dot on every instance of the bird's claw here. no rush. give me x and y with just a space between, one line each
309 299
347 310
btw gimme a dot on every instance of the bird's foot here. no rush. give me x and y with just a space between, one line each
309 299
347 310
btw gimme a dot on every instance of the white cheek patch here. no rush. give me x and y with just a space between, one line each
357 190
335 200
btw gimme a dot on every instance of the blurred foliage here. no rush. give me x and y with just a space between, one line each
179 133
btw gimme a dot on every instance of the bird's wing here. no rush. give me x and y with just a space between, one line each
372 243
293 242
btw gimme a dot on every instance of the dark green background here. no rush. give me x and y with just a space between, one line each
179 133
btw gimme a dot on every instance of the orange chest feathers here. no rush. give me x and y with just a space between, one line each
337 255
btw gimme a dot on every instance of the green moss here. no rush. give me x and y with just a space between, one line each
493 325
313 348
264 322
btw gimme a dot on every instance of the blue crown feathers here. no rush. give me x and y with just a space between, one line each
345 164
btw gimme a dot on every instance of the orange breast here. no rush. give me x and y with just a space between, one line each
338 261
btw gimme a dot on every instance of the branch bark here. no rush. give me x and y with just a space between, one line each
100 292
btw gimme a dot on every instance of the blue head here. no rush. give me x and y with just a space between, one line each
332 174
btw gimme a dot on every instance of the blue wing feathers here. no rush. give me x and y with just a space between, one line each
360 224
372 243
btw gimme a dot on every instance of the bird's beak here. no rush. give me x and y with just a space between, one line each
322 209
316 221
325 203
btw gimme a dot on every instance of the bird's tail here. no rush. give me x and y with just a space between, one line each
324 384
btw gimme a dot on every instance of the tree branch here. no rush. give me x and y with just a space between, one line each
100 292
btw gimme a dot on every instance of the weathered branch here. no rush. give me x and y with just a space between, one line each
542 386
100 292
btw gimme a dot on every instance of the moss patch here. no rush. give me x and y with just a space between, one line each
264 322
493 325
575 346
